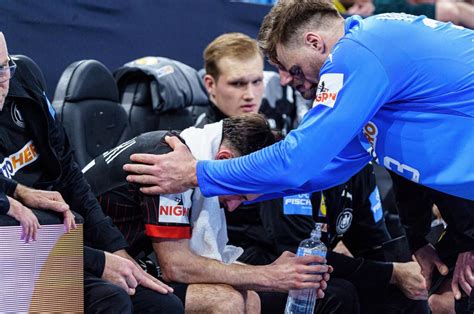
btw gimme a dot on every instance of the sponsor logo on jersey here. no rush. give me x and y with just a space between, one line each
396 17
344 220
329 86
174 208
298 201
176 211
376 204
13 163
370 133
299 204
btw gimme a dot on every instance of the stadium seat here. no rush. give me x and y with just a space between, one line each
159 94
87 104
36 73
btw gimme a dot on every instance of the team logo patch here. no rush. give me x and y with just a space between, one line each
17 117
344 221
329 86
371 132
174 208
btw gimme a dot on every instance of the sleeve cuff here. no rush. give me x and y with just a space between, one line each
200 178
94 261
10 186
105 236
4 204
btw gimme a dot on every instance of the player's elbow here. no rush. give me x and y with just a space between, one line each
170 271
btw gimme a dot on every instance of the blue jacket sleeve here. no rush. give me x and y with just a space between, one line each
353 158
308 156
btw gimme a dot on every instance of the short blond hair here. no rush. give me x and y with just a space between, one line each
233 45
289 17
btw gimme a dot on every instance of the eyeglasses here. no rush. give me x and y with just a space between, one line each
6 72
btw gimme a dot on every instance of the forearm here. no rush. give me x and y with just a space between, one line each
196 269
215 180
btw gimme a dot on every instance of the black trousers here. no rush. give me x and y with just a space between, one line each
101 296
340 298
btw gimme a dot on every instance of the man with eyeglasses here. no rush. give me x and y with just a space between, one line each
34 151
6 72
397 88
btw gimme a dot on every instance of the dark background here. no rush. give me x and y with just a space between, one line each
56 33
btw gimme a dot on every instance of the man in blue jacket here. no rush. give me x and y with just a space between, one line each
396 88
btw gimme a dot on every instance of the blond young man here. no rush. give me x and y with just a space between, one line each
234 77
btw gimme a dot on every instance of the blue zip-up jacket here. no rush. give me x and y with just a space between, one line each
396 87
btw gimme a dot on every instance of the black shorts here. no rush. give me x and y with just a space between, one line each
180 289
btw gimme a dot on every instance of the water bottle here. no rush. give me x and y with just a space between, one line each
303 301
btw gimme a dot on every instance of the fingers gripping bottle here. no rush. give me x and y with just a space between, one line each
303 301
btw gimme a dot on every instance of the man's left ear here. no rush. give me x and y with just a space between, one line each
315 41
224 154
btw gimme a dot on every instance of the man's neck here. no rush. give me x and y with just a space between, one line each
335 34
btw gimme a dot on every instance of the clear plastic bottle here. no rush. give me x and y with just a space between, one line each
303 301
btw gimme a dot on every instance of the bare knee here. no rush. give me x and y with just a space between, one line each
252 302
218 298
232 301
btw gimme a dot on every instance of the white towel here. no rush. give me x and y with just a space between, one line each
209 235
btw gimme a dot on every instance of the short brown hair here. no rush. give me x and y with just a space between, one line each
246 133
289 17
233 45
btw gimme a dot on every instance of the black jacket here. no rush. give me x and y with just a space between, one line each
60 171
7 187
206 115
415 203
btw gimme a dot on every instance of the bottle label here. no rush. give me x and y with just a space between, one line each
305 251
